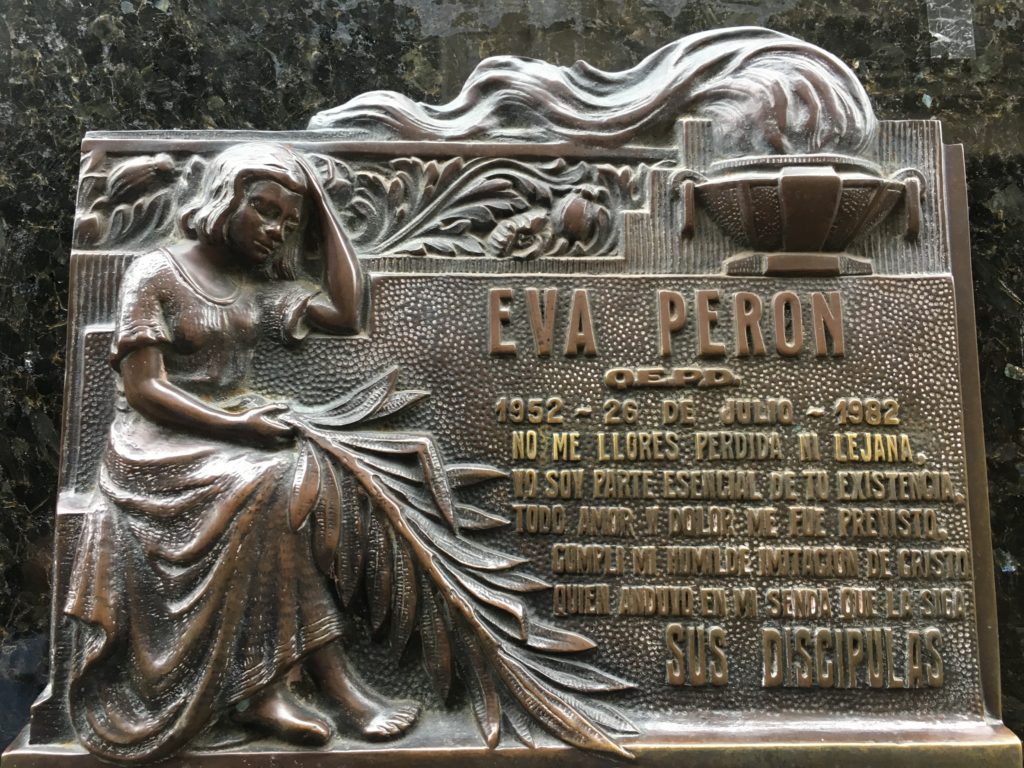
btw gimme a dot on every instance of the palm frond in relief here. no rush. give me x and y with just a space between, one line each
387 519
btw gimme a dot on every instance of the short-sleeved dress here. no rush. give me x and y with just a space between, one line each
192 590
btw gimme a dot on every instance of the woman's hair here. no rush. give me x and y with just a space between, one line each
222 189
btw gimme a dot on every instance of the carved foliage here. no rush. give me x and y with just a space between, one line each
386 516
480 207
122 203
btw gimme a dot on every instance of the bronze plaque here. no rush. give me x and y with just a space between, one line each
626 414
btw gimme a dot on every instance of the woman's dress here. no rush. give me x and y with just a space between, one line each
193 590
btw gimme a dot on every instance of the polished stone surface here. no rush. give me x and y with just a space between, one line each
67 67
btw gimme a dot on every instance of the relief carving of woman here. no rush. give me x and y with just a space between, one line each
203 595
230 532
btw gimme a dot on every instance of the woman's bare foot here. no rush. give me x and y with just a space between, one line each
277 712
374 716
393 718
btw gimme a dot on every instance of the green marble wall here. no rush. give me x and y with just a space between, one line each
73 66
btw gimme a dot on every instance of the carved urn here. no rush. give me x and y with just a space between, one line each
796 214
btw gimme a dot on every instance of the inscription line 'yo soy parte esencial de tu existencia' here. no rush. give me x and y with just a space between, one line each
622 414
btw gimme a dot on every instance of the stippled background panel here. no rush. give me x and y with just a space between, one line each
899 343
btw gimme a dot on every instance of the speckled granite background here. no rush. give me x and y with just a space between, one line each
71 66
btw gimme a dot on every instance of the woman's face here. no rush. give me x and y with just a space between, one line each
267 214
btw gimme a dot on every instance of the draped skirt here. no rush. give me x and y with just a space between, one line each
191 589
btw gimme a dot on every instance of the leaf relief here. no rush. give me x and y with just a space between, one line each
456 207
388 502
483 207
124 202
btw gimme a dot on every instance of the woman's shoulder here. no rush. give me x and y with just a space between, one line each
158 272
285 303
149 267
287 297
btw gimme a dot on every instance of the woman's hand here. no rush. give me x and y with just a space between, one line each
258 425
150 393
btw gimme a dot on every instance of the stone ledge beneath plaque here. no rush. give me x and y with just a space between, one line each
792 743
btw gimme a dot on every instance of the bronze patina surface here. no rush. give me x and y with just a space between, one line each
622 414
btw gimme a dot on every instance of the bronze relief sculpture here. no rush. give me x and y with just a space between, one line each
197 589
231 531
674 417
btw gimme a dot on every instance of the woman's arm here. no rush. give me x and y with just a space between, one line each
150 393
343 278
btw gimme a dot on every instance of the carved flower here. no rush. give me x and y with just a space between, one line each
522 236
135 177
579 216
136 199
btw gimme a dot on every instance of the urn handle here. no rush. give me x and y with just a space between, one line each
684 183
913 194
